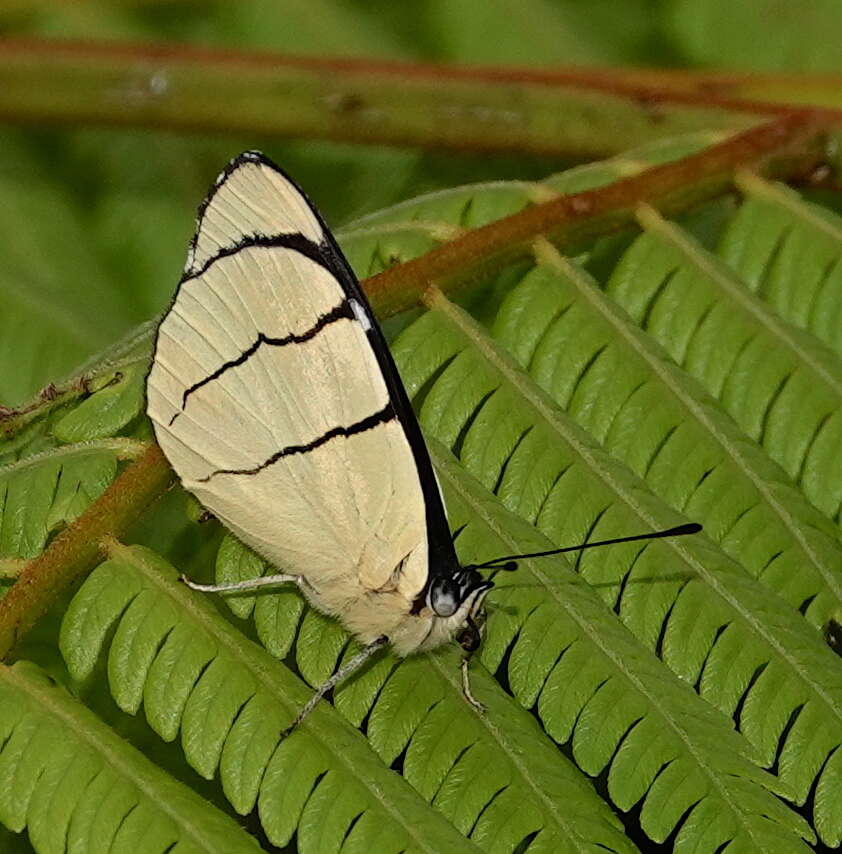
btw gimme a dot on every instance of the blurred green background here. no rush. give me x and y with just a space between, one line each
94 222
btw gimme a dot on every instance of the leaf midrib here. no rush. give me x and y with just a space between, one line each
439 230
125 448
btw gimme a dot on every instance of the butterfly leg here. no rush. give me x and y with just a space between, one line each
469 640
466 687
251 584
343 673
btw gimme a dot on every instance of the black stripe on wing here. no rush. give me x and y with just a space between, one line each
442 553
382 416
317 252
339 312
245 159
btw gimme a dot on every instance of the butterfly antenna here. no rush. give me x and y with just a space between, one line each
508 562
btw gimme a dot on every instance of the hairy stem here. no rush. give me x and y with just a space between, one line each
786 147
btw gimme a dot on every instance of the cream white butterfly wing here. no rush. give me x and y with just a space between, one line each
275 399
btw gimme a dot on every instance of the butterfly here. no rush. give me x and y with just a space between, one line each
275 399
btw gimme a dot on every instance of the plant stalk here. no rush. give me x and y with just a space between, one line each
572 114
784 148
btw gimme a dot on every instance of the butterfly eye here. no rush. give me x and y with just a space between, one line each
444 596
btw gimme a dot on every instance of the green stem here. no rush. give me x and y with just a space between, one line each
364 101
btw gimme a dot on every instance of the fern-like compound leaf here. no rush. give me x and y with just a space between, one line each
75 785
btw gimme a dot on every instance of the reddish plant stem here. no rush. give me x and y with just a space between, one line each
77 548
364 101
787 147
754 91
576 112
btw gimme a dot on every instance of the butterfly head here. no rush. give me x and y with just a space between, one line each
450 593
453 601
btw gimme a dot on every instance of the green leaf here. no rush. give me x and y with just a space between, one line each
543 34
789 252
229 717
235 563
107 411
781 385
276 613
760 35
712 624
594 682
619 385
76 786
45 491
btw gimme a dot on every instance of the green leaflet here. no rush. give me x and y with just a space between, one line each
277 613
77 786
107 411
45 491
112 381
788 251
230 700
712 624
51 484
781 385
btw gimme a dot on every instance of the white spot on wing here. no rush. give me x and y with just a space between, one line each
359 313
